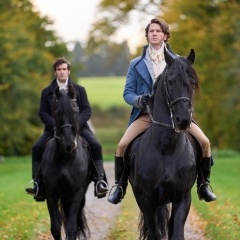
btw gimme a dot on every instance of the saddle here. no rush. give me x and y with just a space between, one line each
130 149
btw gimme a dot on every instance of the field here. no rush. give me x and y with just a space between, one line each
104 92
110 112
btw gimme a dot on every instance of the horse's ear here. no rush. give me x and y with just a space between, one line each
168 58
58 93
191 56
71 91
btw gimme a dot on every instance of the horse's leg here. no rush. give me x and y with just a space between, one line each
180 212
149 210
75 205
55 217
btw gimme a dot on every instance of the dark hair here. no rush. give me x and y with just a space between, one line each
60 61
164 26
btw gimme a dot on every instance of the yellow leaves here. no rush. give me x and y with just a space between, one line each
4 86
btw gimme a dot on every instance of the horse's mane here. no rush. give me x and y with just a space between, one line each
183 67
186 67
65 106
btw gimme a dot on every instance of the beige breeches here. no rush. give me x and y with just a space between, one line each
143 122
138 126
205 143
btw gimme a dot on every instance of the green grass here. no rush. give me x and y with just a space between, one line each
20 216
223 215
105 92
126 225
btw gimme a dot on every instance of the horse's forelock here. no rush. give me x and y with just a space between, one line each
63 106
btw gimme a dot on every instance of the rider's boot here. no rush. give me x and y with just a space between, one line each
99 178
121 180
37 189
203 180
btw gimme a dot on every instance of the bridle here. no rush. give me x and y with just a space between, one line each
170 103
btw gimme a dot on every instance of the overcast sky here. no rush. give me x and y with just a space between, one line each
73 19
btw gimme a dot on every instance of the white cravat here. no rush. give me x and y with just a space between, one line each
63 86
158 60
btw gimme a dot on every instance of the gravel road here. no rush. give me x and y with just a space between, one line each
101 215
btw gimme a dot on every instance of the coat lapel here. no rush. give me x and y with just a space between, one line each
143 71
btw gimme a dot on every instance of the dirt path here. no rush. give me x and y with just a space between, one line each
101 215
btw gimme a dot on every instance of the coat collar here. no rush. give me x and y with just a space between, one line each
144 65
53 85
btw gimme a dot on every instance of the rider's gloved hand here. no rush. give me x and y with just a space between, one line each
145 99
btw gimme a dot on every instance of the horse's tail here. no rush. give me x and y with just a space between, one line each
83 231
162 218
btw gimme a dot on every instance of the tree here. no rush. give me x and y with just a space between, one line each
27 53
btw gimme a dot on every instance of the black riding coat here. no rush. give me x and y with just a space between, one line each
45 111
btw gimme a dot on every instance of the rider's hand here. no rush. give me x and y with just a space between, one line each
145 99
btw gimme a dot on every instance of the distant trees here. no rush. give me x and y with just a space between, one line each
107 59
212 28
27 52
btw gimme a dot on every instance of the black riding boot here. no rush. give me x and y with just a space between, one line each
38 189
203 180
121 180
99 178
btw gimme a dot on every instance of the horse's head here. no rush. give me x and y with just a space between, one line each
65 111
178 84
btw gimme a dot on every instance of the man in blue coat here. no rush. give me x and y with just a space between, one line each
62 70
142 73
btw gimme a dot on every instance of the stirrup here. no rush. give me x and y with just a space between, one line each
203 184
36 186
117 186
96 187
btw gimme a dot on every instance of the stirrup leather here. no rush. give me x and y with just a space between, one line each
35 183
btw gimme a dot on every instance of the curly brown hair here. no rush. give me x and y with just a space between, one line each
60 61
164 26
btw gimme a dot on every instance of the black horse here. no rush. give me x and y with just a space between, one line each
66 170
163 165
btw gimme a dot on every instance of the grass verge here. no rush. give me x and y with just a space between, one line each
223 215
126 225
20 216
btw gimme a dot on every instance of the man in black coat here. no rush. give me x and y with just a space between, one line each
62 70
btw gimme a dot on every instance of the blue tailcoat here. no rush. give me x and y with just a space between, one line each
139 81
